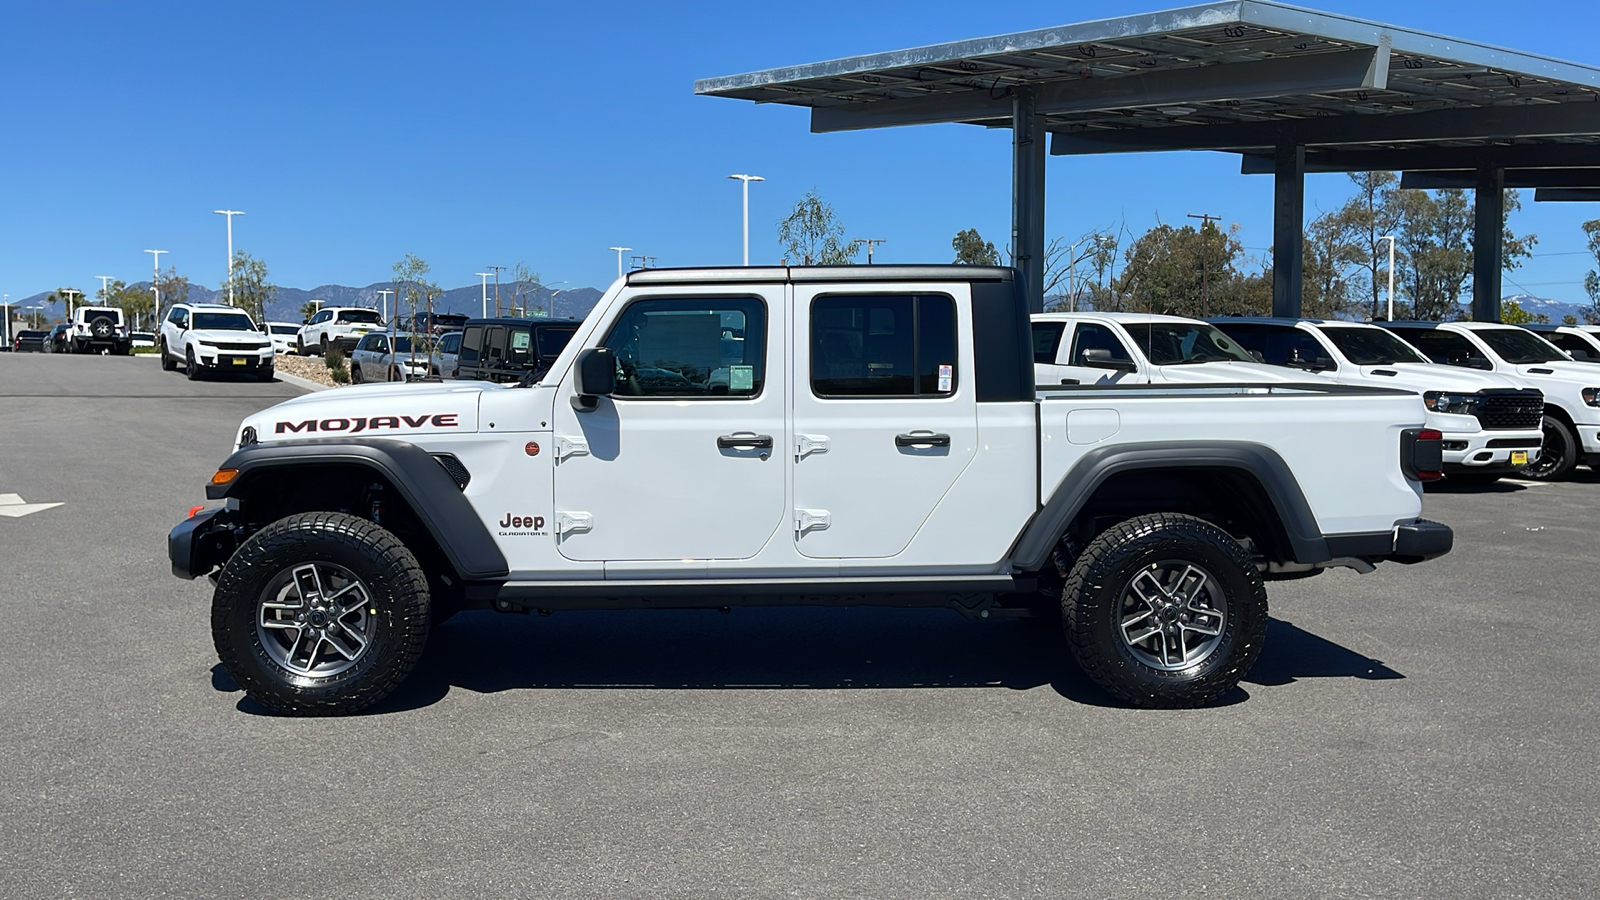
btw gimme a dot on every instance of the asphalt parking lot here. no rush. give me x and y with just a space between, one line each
1426 731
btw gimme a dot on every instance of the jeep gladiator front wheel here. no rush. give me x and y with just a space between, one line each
1165 611
320 614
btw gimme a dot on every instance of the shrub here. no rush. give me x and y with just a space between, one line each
336 367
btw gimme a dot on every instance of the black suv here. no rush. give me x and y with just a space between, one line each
510 349
431 323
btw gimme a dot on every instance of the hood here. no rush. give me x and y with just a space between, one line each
1423 377
226 336
1573 373
1233 373
376 410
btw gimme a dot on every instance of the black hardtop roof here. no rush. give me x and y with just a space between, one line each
820 274
521 320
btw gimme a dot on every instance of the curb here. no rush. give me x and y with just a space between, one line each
299 382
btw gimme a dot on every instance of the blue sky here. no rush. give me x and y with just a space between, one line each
497 133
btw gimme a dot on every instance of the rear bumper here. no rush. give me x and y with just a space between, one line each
1409 542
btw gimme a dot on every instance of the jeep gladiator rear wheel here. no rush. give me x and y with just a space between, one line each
1165 611
320 614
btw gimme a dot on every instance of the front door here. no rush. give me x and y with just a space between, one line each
1091 336
686 460
884 414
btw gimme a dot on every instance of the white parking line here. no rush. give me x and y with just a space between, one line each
12 506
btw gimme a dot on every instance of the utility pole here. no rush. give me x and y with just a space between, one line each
747 179
1390 239
485 277
1205 262
620 251
496 288
155 283
230 213
872 242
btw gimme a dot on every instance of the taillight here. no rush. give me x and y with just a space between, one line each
1422 453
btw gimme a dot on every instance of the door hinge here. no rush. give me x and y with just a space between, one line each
807 444
574 522
568 447
810 520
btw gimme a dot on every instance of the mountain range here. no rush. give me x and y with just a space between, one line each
286 305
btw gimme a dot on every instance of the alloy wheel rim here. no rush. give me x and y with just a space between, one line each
316 619
1551 455
1172 615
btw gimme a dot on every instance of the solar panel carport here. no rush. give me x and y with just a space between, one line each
1292 90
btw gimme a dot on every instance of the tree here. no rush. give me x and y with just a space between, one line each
1435 232
1367 217
813 236
415 291
251 290
972 250
1333 254
134 302
1061 261
174 288
1512 313
1569 320
1591 281
309 309
67 297
1166 268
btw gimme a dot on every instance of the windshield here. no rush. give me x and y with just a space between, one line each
1372 346
357 317
285 329
402 345
1180 343
1517 347
205 321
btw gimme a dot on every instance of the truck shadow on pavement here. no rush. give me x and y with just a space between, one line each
792 649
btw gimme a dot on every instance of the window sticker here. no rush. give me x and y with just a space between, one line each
945 375
741 378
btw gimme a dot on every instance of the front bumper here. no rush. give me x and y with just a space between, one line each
200 543
1489 451
235 361
1589 437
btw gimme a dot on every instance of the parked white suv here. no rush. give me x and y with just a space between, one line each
204 336
1571 389
380 358
1138 348
283 335
1492 425
98 328
340 327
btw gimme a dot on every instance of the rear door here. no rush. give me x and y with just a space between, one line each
884 413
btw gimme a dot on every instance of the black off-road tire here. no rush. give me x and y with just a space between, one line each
1091 604
1559 455
398 592
167 365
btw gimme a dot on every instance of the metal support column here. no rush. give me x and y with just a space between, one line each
1027 194
1288 228
1488 223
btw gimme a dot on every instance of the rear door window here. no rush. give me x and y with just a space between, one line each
494 350
1445 347
471 345
1047 341
883 346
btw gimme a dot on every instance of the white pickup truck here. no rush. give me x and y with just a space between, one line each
833 435
1571 389
1492 425
1138 348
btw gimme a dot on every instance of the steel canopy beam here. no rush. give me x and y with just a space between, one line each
1566 195
1521 156
1288 230
1027 195
1320 73
1488 225
1465 124
1515 178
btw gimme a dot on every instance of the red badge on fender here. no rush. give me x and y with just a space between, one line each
532 448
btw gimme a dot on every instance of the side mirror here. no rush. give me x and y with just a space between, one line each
1100 358
1256 355
596 377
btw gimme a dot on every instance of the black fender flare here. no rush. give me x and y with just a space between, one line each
1305 537
424 484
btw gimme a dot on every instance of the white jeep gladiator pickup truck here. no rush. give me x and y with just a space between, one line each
1492 425
832 435
1140 348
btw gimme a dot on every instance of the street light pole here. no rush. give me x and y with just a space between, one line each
383 302
1390 239
230 213
746 179
485 277
105 291
155 282
67 293
552 298
620 251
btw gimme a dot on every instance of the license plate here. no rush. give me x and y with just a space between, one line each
1519 457
239 361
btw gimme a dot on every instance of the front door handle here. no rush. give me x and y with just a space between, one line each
922 439
745 440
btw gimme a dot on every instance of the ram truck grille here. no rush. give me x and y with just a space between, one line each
1507 409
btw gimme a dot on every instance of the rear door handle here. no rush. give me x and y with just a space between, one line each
922 439
745 440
